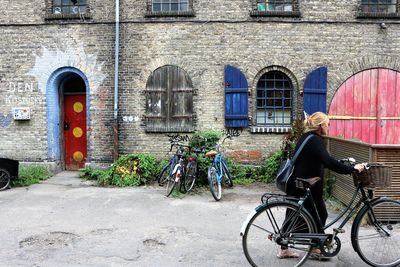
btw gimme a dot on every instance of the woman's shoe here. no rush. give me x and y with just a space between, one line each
286 253
317 255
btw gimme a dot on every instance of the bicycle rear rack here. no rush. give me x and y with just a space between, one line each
267 196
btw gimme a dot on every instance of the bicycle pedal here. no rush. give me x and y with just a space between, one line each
339 230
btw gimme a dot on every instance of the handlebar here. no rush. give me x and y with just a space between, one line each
352 162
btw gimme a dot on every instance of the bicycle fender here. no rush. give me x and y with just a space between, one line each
359 214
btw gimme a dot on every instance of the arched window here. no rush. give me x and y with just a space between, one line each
169 101
274 100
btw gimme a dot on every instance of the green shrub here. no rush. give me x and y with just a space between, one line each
129 170
271 166
30 174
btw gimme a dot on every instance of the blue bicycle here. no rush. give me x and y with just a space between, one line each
218 172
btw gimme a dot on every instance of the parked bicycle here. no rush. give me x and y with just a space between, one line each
218 172
174 170
192 166
282 221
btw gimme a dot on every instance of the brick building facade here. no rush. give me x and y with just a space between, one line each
48 53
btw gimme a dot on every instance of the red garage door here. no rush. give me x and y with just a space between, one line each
367 107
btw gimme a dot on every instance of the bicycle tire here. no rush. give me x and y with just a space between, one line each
190 176
171 183
227 174
260 234
165 172
375 233
5 179
215 185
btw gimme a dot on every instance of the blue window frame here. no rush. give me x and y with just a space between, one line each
274 100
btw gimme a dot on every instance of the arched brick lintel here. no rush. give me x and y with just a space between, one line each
53 111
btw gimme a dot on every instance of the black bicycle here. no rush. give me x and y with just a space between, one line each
283 221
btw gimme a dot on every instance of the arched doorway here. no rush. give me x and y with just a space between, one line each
367 107
68 118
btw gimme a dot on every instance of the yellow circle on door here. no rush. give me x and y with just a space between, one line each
78 156
77 132
78 107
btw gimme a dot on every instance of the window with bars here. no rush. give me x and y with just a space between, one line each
170 8
170 5
275 8
169 101
379 6
274 100
274 5
69 7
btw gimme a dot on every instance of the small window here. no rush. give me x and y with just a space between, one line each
275 8
274 100
69 6
169 101
379 9
67 9
170 8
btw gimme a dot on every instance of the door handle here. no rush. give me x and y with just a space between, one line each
66 126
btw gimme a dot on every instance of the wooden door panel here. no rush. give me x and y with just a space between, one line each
366 107
75 131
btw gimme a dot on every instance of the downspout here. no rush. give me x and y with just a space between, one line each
116 72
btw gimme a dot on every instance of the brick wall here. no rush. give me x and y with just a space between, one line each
221 32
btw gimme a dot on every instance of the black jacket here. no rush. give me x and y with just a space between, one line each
314 158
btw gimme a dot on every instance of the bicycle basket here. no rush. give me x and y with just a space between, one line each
378 175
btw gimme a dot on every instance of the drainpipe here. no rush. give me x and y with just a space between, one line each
116 72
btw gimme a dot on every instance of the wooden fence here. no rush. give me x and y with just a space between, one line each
344 187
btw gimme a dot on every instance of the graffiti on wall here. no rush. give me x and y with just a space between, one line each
5 120
178 138
22 93
232 132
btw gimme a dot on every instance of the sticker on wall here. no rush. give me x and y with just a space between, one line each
5 120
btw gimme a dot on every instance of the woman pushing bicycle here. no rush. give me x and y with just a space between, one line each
310 163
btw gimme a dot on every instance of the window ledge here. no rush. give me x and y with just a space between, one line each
373 15
150 14
256 13
67 16
271 129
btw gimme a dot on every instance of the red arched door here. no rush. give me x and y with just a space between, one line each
367 107
75 131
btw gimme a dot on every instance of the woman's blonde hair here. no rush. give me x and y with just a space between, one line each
313 122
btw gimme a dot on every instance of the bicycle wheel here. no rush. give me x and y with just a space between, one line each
165 172
171 182
190 177
227 174
4 179
215 186
375 233
260 234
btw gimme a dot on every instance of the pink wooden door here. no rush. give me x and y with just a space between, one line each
367 107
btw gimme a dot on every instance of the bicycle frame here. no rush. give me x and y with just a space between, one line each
218 160
349 209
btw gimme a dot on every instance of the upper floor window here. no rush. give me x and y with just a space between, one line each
67 9
274 100
170 8
69 6
378 6
275 8
169 101
170 5
274 5
379 9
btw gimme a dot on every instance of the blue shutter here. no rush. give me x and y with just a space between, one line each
236 98
315 91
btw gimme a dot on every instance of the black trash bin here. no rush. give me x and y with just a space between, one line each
8 170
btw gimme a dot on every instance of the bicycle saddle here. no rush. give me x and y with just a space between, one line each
309 181
211 153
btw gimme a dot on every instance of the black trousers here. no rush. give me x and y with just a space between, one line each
317 194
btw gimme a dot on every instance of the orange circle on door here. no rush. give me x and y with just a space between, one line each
77 132
78 156
78 107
